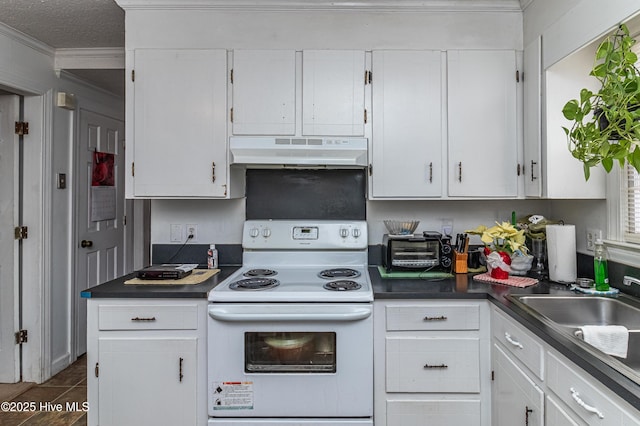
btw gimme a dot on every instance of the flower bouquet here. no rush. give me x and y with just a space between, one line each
503 243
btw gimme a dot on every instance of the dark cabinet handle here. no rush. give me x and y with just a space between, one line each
138 319
533 163
441 366
527 410
181 360
440 318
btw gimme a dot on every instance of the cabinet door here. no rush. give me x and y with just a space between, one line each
147 381
532 113
483 159
264 92
407 130
179 120
517 400
558 416
333 93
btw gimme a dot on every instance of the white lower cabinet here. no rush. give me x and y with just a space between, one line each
517 400
146 362
535 385
432 363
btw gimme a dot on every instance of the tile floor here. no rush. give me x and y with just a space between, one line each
64 389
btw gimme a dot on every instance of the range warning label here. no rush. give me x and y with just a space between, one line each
232 395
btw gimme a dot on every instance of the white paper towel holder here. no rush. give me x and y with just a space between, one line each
561 253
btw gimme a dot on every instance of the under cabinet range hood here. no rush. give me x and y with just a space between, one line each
298 151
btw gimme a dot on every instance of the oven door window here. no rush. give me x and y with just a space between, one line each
290 352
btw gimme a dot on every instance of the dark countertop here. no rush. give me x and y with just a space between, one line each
463 287
118 289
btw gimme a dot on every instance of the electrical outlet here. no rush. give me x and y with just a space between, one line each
593 234
176 233
447 226
192 232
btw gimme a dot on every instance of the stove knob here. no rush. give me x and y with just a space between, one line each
344 232
355 232
254 232
266 232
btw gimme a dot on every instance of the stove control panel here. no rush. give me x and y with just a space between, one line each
305 232
309 235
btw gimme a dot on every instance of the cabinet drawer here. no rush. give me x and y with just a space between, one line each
428 364
148 317
555 415
433 412
591 405
435 317
518 342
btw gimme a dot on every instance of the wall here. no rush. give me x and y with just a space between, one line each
26 68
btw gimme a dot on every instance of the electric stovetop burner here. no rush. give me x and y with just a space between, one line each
256 283
260 272
342 285
339 273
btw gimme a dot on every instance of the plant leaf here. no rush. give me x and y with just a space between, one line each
571 109
607 163
587 171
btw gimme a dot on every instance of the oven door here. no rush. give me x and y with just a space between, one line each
290 360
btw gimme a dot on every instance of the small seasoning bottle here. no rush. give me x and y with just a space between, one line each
212 257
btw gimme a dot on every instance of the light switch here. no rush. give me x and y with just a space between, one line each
61 179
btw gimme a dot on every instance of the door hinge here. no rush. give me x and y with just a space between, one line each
133 168
231 76
518 76
21 337
368 77
124 220
518 169
231 114
365 116
22 128
21 232
370 169
493 375
133 75
96 371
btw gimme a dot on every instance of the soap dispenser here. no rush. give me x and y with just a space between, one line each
600 266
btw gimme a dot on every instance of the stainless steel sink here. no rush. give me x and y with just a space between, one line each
567 313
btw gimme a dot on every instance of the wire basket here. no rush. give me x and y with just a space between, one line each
401 227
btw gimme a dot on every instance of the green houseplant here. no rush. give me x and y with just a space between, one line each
606 125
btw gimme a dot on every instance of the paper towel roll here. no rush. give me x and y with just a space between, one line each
561 253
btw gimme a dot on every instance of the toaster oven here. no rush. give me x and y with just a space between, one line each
427 251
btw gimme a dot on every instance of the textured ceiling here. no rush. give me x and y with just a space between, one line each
72 24
67 23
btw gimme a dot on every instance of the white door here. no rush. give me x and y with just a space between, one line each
264 92
333 93
9 250
99 226
407 132
482 116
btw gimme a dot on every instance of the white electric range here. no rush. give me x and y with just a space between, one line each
291 332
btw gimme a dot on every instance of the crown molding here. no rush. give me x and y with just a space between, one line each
90 58
26 40
327 5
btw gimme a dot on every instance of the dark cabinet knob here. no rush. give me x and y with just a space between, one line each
86 243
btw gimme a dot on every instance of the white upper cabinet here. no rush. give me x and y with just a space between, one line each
333 92
178 114
532 122
482 116
407 140
264 92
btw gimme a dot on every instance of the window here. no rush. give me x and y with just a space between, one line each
630 208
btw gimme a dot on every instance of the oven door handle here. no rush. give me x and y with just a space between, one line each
290 313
